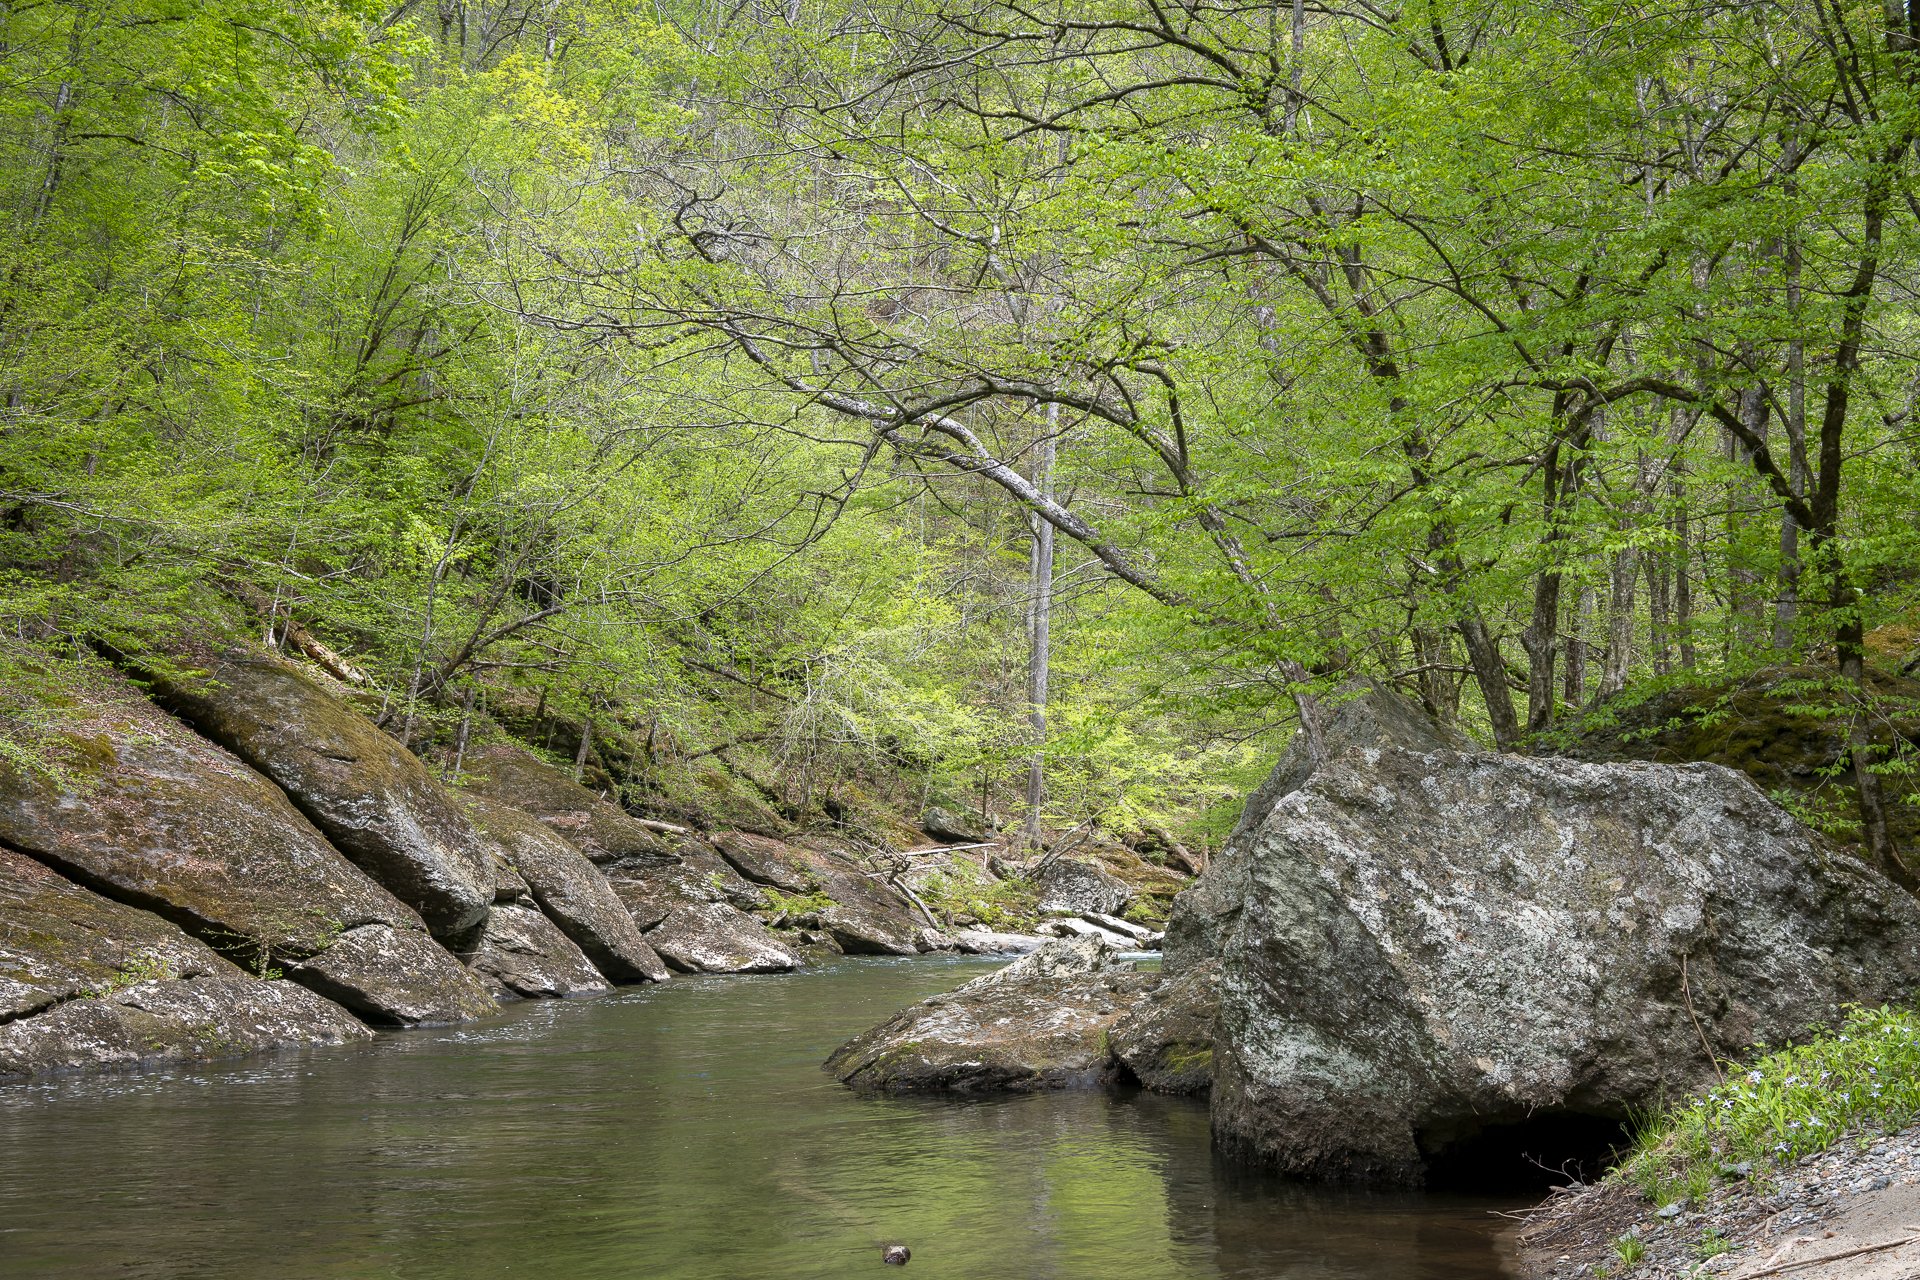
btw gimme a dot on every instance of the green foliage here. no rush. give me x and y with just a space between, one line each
1859 1080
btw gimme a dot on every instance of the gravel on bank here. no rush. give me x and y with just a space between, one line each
1850 1212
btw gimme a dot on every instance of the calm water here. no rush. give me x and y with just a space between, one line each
684 1131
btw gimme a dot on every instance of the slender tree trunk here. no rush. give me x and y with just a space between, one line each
1786 609
1576 684
1040 646
1490 671
1659 610
586 744
1682 574
1620 618
1438 693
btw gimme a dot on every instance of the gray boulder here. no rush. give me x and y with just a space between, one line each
1073 886
394 977
1040 1023
1364 715
87 982
944 824
1434 943
571 891
524 953
373 798
1166 1040
713 937
861 912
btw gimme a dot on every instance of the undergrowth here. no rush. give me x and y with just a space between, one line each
1860 1079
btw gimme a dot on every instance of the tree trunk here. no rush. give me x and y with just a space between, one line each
1659 612
1039 632
1620 616
1490 671
1577 646
1682 574
1786 609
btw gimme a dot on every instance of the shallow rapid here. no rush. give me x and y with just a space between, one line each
679 1132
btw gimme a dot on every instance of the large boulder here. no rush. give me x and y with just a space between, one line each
1365 714
154 815
1435 945
513 776
573 893
88 982
524 953
1040 1023
372 797
711 937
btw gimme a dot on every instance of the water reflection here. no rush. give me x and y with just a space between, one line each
679 1132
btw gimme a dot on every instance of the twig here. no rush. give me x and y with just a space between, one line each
1686 992
1828 1257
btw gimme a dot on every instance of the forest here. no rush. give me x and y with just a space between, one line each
1032 408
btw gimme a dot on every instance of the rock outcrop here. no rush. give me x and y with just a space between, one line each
1165 1041
1040 1023
689 903
1433 943
863 915
87 982
374 799
571 891
155 816
524 953
1075 885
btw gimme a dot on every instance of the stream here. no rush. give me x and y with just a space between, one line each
678 1132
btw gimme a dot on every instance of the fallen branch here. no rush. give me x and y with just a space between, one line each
1782 1267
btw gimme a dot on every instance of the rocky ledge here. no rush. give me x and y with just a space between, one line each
229 855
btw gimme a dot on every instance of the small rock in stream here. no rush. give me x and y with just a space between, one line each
896 1255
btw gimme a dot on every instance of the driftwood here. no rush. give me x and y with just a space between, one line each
1783 1267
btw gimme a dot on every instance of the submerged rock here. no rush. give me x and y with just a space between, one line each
572 892
1432 943
162 819
87 982
528 956
1039 1023
373 798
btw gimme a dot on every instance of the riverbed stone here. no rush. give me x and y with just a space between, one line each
375 801
89 982
1435 942
528 956
1040 1023
156 816
864 913
511 775
571 892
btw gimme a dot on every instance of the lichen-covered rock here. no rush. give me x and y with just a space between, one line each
688 902
571 891
373 798
161 818
1073 885
713 937
1040 1023
604 832
1435 942
87 982
1166 1040
522 951
1364 715
394 977
215 1015
863 913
